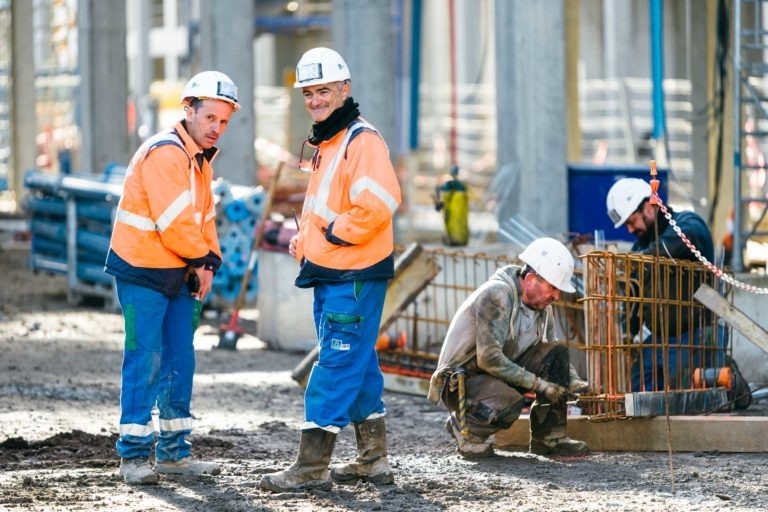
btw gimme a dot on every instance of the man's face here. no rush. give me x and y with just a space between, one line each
206 123
641 221
321 100
537 292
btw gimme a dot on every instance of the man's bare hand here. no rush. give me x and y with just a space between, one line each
206 283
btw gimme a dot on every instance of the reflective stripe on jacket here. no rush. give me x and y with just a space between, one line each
353 186
166 216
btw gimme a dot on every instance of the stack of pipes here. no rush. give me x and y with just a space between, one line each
87 202
71 218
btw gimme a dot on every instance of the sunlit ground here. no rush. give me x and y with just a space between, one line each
7 202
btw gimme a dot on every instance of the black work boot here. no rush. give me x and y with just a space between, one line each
739 393
310 470
371 464
470 446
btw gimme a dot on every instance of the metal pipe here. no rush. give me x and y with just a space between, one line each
737 258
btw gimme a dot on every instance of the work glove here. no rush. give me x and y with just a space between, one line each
553 392
575 383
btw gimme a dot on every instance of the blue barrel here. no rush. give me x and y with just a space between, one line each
588 186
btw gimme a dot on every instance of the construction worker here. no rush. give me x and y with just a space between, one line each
501 344
628 205
345 248
164 252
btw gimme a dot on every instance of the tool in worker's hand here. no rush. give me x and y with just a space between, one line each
231 331
295 218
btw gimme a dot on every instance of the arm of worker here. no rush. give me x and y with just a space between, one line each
575 383
205 278
374 193
492 311
671 245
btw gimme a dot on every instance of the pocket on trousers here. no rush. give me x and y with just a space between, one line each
129 316
341 336
197 308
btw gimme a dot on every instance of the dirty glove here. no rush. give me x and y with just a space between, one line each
575 384
552 391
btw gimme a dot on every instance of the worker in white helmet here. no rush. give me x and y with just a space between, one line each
163 254
501 340
628 205
345 248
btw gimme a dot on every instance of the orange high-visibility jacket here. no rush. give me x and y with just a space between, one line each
355 187
166 216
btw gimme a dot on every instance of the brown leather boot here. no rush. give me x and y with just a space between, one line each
371 464
310 470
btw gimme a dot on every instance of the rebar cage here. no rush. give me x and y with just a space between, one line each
643 328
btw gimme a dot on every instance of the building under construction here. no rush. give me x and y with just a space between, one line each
540 120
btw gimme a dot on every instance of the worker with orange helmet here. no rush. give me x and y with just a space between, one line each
501 341
163 254
345 247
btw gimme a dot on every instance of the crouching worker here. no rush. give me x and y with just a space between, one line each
497 348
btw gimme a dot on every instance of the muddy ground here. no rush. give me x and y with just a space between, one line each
59 391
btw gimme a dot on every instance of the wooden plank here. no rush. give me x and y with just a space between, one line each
736 318
414 270
405 384
692 401
721 432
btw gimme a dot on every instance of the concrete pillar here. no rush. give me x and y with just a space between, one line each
139 69
364 36
226 45
572 81
530 87
104 83
140 73
289 50
703 99
22 95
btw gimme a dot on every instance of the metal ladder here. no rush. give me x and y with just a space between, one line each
750 120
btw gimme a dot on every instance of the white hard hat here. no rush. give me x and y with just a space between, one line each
624 198
551 260
320 66
213 85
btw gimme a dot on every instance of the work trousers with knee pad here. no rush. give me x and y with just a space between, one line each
493 405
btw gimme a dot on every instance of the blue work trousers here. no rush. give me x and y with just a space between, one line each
684 355
158 366
346 383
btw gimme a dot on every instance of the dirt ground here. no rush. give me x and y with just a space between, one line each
59 393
